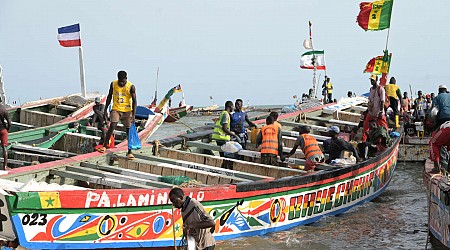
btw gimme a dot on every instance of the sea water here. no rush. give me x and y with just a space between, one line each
397 219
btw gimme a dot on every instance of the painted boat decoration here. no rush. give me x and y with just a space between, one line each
437 188
176 114
254 199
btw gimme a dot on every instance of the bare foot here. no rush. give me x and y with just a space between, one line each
7 168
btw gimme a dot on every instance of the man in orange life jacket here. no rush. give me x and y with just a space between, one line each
123 94
309 146
269 138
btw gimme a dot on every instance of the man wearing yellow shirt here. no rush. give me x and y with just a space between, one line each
395 95
123 94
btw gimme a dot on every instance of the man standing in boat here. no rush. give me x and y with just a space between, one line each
222 132
269 140
308 144
395 95
196 221
123 94
237 123
5 125
328 86
274 115
375 106
442 102
419 107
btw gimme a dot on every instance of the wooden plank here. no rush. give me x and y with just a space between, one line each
29 157
296 134
248 153
202 167
167 170
313 127
23 147
96 179
66 107
105 174
122 171
23 125
334 121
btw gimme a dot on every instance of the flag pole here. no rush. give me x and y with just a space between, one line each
83 85
314 57
156 90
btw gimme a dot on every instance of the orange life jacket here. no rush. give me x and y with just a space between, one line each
269 139
311 146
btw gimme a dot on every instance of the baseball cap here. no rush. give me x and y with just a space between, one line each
97 99
374 77
334 129
442 86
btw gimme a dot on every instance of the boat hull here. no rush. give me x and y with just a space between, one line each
136 218
176 114
438 204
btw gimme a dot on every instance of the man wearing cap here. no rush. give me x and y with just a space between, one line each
375 106
442 102
394 94
338 145
308 144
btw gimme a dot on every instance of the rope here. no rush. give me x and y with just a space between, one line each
179 120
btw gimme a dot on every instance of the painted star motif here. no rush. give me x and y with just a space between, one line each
50 201
177 227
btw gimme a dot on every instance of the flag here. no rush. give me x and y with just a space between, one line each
375 15
177 88
311 58
307 44
379 65
69 36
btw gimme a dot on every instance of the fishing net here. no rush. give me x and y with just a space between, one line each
190 184
174 179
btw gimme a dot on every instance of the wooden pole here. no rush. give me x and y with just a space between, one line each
83 85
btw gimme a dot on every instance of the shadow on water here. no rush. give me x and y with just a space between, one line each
397 219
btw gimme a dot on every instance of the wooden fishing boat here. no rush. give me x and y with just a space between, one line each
176 114
437 187
51 111
125 204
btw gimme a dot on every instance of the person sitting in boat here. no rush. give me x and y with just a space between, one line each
349 94
375 106
123 94
442 102
237 123
338 145
269 141
419 107
197 222
378 140
222 132
274 114
308 144
439 139
99 117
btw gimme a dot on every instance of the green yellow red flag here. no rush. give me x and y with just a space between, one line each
375 15
379 65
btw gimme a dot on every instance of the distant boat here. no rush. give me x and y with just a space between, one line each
176 114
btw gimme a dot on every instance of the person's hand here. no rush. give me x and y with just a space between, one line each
105 116
238 139
282 158
380 115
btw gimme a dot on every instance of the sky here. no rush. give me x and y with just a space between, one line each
225 49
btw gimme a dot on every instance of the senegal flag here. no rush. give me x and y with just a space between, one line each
376 15
379 65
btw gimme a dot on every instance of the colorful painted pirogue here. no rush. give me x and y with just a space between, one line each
438 188
251 199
